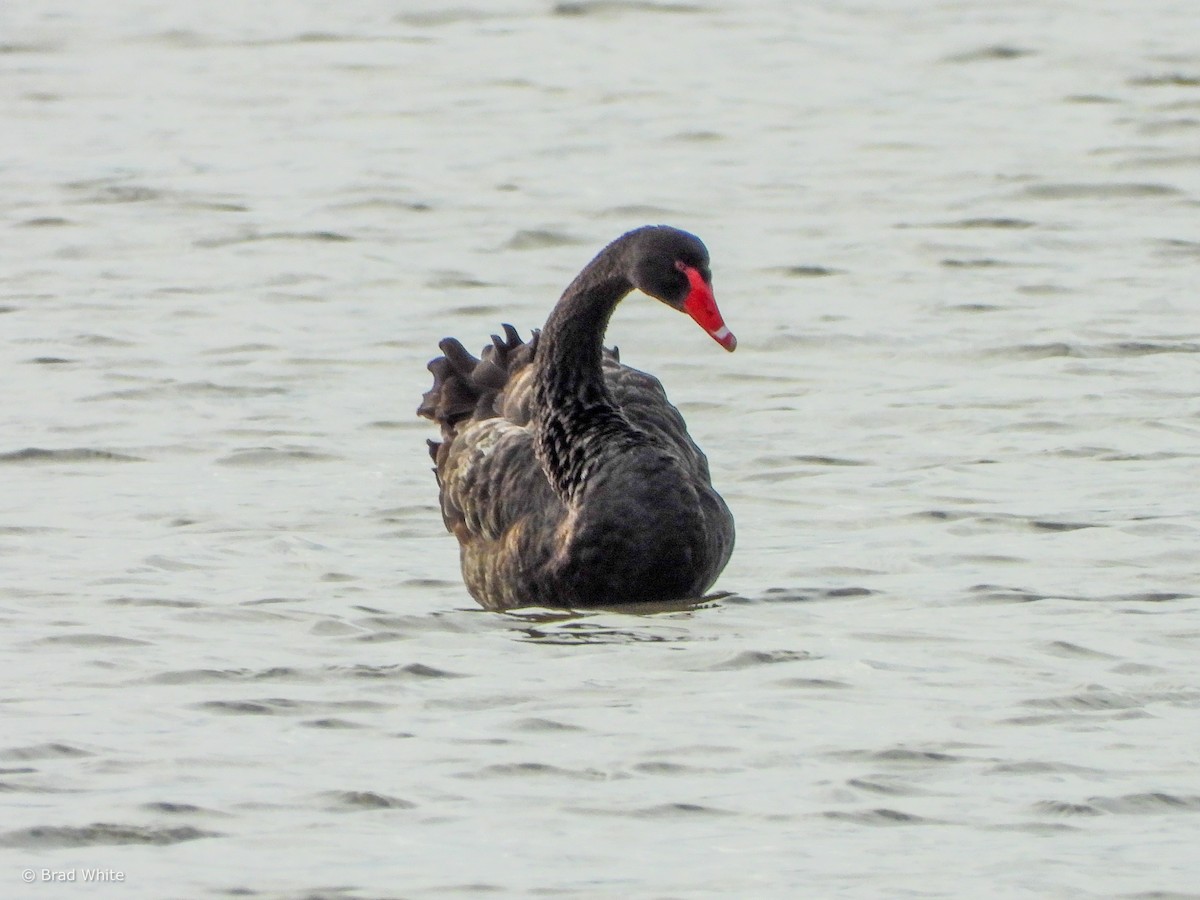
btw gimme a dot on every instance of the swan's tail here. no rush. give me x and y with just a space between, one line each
467 388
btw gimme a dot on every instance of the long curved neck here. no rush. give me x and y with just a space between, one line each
574 417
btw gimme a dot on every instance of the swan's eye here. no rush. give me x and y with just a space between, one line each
705 274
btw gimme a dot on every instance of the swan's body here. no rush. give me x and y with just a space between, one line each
569 479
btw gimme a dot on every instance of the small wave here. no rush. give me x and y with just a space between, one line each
43 751
29 529
256 236
12 47
986 262
901 756
972 307
208 676
119 193
676 810
805 271
666 767
538 239
807 595
280 706
1002 222
1062 808
990 53
452 280
1033 351
751 658
1005 522
1068 649
271 456
1167 79
1042 719
1174 247
616 7
813 683
544 725
787 459
638 211
1096 700
581 634
1150 597
1164 161
1100 191
240 348
991 593
8 787
101 833
1147 803
187 389
333 724
697 136
878 787
38 455
436 17
91 640
1040 767
167 602
1046 525
881 816
540 770
361 801
1167 126
175 809
412 670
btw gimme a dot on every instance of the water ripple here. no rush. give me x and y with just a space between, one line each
38 455
100 834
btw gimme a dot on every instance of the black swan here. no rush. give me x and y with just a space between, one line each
569 479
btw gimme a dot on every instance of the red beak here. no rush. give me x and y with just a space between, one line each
702 306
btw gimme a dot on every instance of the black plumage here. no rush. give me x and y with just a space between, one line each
569 479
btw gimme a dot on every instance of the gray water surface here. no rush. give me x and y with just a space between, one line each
958 651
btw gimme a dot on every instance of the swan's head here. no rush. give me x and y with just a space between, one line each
672 266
